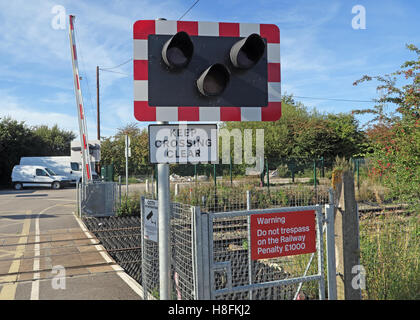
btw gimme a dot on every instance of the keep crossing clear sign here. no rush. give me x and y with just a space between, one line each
183 143
150 220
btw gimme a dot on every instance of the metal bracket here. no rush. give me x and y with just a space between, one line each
225 265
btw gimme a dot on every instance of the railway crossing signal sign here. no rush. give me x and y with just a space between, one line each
206 71
200 71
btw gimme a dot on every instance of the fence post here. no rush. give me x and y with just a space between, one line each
119 188
268 174
230 170
143 251
248 221
80 191
330 236
292 165
77 198
358 173
195 173
214 174
201 255
347 235
320 247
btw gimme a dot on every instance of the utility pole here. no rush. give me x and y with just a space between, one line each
98 119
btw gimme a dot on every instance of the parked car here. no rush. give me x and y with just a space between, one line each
62 165
37 176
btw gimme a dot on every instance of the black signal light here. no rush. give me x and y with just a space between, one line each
178 50
245 53
214 80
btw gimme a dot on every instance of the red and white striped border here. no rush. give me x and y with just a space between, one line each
144 112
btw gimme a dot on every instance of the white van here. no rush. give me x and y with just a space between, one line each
62 165
37 176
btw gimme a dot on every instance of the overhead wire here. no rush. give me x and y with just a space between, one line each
333 99
126 74
188 10
121 64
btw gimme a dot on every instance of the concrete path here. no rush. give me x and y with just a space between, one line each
47 253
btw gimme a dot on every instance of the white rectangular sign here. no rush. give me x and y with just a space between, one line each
183 143
150 220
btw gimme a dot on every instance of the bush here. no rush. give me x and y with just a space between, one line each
130 206
390 253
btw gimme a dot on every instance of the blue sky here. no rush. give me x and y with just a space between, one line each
321 54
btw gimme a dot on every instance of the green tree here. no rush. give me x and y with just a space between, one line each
302 135
113 151
395 134
54 140
15 139
18 140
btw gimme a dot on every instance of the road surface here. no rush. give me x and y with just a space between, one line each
46 252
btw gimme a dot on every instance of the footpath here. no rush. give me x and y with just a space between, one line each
47 253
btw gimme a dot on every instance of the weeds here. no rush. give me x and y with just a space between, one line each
390 252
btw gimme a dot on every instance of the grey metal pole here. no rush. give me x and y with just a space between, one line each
77 199
143 252
320 249
164 230
126 166
248 207
80 199
248 200
331 269
119 188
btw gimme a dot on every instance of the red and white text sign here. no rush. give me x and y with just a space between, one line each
282 234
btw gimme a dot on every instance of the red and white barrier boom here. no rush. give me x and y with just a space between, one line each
86 169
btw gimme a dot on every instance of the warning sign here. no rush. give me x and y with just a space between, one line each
150 219
282 234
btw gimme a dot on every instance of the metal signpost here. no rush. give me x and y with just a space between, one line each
127 155
199 71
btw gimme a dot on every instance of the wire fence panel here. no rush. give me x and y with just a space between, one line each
289 196
149 258
150 269
236 277
98 198
224 197
182 273
182 251
229 268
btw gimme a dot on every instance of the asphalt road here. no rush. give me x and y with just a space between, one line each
46 253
